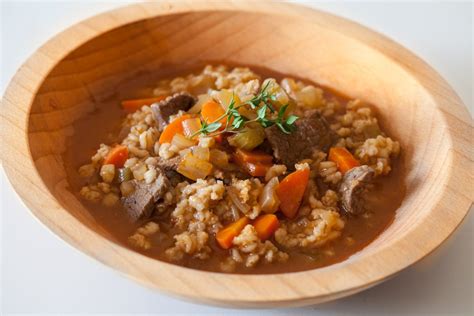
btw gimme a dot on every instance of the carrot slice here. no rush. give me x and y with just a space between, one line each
131 106
256 169
343 158
226 235
211 111
173 128
290 191
117 156
253 169
266 225
254 156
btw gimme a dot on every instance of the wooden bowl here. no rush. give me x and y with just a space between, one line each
72 73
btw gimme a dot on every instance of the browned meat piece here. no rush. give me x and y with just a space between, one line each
169 164
174 177
353 184
171 106
312 133
141 202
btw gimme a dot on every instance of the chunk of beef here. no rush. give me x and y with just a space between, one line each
140 203
175 177
311 133
169 164
171 106
354 183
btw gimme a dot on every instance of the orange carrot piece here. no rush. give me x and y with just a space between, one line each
343 158
290 191
173 128
131 106
117 156
211 111
254 156
226 235
266 225
253 169
256 169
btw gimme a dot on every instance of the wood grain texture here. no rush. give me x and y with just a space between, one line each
71 74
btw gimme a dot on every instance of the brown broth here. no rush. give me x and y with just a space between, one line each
102 126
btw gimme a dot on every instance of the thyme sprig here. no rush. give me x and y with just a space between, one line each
235 122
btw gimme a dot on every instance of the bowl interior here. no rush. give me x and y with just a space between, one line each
84 80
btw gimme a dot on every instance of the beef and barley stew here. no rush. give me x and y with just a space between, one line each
228 170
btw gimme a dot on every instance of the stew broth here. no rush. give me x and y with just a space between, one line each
103 125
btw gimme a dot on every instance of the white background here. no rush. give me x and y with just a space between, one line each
42 274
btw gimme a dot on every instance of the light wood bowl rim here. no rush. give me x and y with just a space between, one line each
219 293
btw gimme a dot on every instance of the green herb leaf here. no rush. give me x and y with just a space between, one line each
291 119
253 103
234 113
262 112
283 128
269 105
266 123
213 127
265 87
238 122
281 112
232 102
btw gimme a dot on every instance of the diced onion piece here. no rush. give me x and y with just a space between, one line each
269 201
246 91
191 126
184 152
207 141
201 153
202 98
311 97
247 112
194 168
281 98
248 138
182 142
224 97
219 158
289 85
244 208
